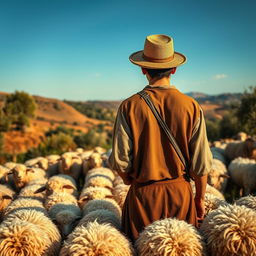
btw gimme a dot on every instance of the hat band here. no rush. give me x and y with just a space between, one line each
158 60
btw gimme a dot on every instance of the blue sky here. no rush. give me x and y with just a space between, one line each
70 49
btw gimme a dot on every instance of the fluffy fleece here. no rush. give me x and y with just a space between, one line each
230 231
6 197
120 191
93 161
102 216
92 193
99 181
217 177
65 216
60 183
170 237
25 203
248 201
96 239
47 240
105 204
57 197
243 173
29 191
39 162
102 171
212 202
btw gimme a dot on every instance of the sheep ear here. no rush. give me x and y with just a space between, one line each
68 186
42 189
30 170
224 176
8 197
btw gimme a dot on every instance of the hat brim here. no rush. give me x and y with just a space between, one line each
138 59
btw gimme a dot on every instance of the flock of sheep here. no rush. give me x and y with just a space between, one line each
72 205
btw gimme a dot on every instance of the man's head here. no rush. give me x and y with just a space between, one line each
157 74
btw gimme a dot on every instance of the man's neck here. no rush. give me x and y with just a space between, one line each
160 82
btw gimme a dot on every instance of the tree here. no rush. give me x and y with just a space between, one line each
19 107
5 122
246 112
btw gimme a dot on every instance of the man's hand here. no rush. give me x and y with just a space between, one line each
200 209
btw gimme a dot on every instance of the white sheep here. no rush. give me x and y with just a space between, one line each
24 203
120 192
245 149
29 232
243 173
91 193
170 237
59 197
38 162
10 165
248 201
102 216
6 197
218 175
230 231
101 171
53 165
71 165
98 181
106 204
211 202
65 216
93 161
29 191
60 183
96 239
23 175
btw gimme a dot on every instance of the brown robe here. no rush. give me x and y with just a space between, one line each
144 157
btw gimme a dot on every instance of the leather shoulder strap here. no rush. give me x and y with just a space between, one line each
166 129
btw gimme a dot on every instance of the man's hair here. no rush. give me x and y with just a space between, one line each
159 73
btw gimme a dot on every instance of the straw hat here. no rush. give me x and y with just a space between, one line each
158 53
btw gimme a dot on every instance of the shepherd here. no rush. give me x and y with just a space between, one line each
160 144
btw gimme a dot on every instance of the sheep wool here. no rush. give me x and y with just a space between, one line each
47 230
99 181
105 204
102 216
6 197
101 171
96 239
170 237
120 192
248 201
212 202
230 231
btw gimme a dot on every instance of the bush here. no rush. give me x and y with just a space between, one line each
213 129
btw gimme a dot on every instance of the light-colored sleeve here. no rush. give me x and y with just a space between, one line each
120 159
200 153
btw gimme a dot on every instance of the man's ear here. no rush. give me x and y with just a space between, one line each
144 71
173 70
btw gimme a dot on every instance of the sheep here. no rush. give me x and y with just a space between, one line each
10 165
248 201
3 174
218 175
120 192
91 193
104 172
230 231
39 162
24 203
99 150
243 173
57 197
29 191
71 165
59 183
93 161
99 181
96 239
211 202
53 165
29 232
245 149
219 153
22 175
6 197
102 216
106 204
65 216
170 237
